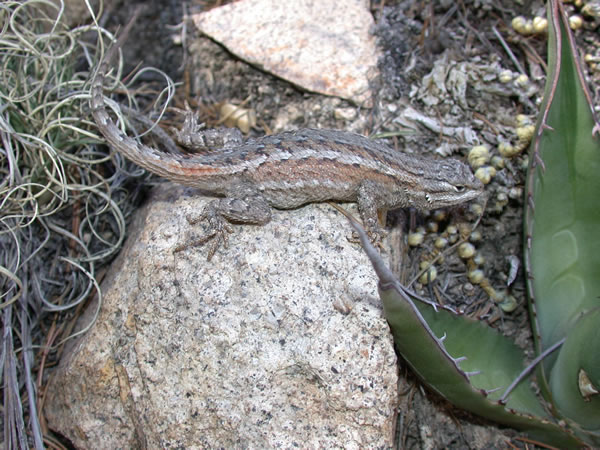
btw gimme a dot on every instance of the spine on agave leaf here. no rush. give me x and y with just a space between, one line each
466 362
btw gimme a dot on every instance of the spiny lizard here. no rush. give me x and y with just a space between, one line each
290 169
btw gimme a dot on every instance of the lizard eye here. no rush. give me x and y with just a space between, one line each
459 188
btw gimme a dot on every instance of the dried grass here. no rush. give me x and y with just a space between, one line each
64 200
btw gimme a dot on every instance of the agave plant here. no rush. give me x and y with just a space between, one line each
472 365
562 248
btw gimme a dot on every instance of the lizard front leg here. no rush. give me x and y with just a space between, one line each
242 204
371 201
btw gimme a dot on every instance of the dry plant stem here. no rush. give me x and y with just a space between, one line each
536 443
52 335
530 367
508 51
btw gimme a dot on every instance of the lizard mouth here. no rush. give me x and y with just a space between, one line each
455 196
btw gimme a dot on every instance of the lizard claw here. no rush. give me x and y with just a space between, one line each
376 235
218 231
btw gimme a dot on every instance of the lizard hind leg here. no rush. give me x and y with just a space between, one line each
242 205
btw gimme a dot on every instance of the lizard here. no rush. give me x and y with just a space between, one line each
293 168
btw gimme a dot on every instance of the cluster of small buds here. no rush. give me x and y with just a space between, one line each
527 27
441 241
451 235
479 157
415 239
592 61
575 22
539 25
525 130
486 165
476 275
519 79
466 251
429 274
501 201
591 9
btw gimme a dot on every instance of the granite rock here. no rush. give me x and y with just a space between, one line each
278 341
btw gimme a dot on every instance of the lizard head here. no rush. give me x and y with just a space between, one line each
450 182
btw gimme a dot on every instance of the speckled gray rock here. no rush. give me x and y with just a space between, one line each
324 47
279 341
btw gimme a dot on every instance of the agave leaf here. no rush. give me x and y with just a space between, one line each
579 359
562 225
469 364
